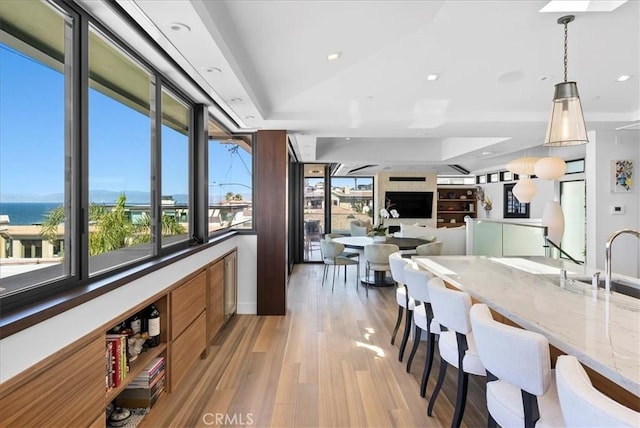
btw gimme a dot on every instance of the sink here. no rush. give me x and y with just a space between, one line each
583 285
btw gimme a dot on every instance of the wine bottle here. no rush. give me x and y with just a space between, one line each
135 323
153 323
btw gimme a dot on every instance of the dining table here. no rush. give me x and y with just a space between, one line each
379 278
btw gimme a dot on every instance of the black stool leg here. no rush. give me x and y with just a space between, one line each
461 400
397 326
407 331
416 341
427 364
463 381
436 390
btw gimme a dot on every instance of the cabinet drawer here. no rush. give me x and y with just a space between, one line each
187 302
186 350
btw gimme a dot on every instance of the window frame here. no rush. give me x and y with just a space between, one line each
40 299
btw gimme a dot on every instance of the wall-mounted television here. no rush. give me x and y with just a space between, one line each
411 204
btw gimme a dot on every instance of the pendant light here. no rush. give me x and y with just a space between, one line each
525 189
553 218
566 125
550 168
522 166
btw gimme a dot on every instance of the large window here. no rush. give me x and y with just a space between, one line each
36 76
230 180
120 141
176 118
351 199
97 162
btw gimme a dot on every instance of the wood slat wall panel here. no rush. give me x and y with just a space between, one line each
187 302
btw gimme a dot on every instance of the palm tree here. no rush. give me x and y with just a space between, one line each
111 229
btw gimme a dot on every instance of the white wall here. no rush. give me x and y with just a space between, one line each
27 347
603 148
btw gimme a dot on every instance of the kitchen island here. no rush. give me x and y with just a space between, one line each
602 331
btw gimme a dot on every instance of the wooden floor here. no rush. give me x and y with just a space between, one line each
327 363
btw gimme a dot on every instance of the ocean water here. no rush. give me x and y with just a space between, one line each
26 213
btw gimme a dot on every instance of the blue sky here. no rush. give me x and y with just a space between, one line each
32 139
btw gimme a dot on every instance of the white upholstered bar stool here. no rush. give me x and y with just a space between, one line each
584 406
521 389
403 300
456 345
417 281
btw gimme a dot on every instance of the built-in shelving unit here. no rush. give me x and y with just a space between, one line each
454 203
70 388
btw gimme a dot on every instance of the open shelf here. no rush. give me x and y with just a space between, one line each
136 367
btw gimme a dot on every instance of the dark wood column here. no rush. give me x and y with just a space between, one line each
271 221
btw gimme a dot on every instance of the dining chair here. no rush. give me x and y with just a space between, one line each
417 281
377 259
584 406
521 387
404 301
455 343
312 235
331 251
430 249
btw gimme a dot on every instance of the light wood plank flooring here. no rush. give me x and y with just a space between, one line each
327 363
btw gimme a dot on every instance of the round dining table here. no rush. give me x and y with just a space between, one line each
379 278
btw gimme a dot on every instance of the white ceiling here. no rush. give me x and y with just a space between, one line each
497 60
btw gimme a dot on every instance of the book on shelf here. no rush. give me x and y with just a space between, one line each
141 397
117 358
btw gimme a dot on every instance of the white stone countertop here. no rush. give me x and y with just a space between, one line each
603 332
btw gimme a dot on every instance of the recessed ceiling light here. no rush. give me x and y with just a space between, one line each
542 78
249 117
179 27
596 98
347 138
370 97
432 76
212 69
623 78
235 99
486 153
582 6
333 56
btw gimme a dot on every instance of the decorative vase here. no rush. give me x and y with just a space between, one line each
379 238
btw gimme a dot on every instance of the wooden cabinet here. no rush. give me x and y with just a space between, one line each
187 349
69 388
230 285
215 298
454 203
188 319
187 302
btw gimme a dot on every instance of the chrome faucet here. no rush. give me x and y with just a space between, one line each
607 256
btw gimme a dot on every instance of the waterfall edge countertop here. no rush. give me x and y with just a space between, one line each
603 332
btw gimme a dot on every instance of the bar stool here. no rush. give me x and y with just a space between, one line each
403 299
417 281
584 406
521 388
456 344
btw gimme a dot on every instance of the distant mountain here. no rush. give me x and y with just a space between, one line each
96 196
